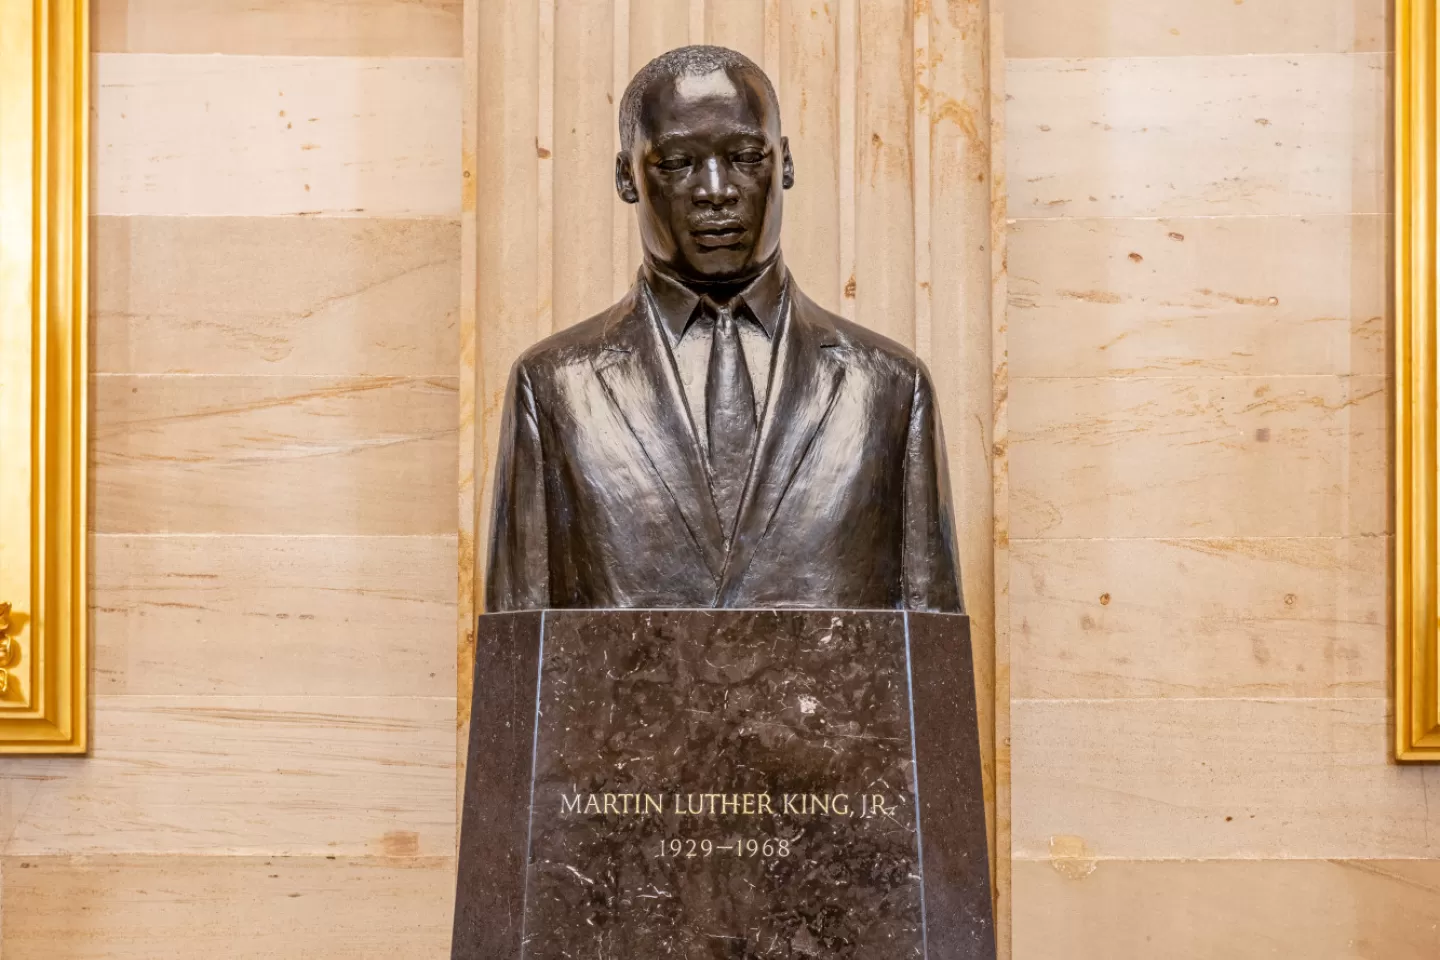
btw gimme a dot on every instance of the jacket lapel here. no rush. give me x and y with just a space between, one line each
640 381
804 384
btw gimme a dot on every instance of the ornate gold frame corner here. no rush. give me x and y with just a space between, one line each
44 185
1417 633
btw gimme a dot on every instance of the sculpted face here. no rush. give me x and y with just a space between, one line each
708 168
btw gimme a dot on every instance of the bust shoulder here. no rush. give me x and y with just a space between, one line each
577 344
888 356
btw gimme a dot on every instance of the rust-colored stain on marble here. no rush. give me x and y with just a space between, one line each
1071 857
963 117
1092 296
1244 301
400 843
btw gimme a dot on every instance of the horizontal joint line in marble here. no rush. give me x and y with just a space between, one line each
183 535
376 60
1203 539
267 697
359 213
99 859
396 378
1165 218
1167 58
1132 378
396 218
1281 700
1096 857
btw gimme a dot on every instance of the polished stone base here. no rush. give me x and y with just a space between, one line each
708 784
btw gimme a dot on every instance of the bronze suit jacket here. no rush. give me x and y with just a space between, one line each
602 497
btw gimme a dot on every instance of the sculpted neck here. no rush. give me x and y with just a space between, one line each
719 290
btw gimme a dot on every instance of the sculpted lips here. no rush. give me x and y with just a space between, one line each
714 234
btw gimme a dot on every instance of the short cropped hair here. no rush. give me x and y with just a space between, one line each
692 61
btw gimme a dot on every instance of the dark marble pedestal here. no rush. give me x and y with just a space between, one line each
723 784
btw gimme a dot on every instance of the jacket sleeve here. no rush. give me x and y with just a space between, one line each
518 572
931 579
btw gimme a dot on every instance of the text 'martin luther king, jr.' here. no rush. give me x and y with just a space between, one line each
716 439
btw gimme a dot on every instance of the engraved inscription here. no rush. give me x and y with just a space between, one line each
783 835
863 805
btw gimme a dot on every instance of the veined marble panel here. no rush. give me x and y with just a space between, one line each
884 176
191 135
1196 296
230 907
1240 910
813 97
1144 28
1199 457
1301 617
1198 136
359 28
737 24
276 295
233 615
585 139
1213 779
311 455
342 776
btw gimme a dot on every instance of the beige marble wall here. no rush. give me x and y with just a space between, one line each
1197 327
276 274
1194 580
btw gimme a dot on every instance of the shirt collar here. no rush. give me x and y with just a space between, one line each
762 297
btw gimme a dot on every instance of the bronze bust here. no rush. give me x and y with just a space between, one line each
716 439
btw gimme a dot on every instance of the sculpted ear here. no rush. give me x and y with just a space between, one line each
625 179
787 166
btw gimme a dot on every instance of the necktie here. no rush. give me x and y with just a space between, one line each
729 413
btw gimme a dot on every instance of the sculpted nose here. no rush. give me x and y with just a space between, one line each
714 186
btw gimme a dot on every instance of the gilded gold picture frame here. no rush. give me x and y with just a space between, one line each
1417 639
44 108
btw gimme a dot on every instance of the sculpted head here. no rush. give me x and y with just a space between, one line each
702 155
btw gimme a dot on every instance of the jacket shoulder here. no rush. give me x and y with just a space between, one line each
895 358
574 345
